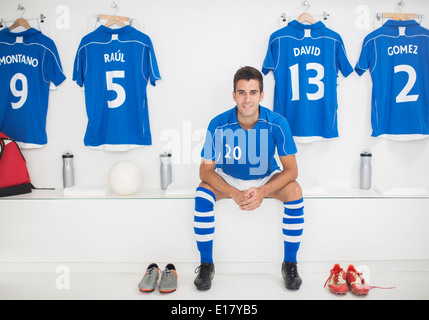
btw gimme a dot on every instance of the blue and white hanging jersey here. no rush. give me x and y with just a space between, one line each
29 62
397 56
115 66
248 154
305 60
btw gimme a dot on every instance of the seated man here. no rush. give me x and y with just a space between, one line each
238 162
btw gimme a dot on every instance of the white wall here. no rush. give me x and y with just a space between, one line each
199 45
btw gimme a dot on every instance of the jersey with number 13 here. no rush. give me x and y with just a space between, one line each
29 62
305 61
397 55
115 66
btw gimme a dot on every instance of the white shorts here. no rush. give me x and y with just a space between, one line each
244 184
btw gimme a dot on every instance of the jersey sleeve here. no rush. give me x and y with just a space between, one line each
52 69
209 148
342 61
364 62
150 64
80 66
283 138
271 57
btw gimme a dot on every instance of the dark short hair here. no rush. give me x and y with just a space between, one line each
248 73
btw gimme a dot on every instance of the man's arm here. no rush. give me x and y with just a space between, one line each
278 181
255 196
209 176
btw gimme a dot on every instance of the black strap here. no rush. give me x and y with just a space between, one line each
34 188
2 145
15 190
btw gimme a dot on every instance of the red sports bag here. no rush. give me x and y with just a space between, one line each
14 177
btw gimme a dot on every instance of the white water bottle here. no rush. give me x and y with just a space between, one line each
365 170
68 170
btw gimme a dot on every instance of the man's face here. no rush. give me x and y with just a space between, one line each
248 96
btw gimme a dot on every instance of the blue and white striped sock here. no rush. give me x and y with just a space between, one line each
293 226
204 223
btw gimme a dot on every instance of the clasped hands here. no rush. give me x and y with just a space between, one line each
250 199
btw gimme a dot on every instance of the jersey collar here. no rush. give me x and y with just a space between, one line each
27 32
398 23
105 29
233 118
299 25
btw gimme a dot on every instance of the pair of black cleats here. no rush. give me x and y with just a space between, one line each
206 272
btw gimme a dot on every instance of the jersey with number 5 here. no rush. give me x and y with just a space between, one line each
397 56
305 60
115 65
29 62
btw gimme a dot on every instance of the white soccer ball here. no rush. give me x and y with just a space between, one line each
125 177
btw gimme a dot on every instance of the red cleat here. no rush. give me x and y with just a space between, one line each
337 281
356 282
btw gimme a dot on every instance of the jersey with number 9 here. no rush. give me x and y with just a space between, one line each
29 62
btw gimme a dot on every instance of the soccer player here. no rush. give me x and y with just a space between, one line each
238 162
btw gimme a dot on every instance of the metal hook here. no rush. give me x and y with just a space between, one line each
21 8
115 7
306 4
401 5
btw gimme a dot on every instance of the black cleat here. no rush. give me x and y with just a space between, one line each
290 275
206 272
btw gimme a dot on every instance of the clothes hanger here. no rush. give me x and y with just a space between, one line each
114 19
399 16
111 20
20 22
306 17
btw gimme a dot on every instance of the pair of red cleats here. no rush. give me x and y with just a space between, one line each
340 282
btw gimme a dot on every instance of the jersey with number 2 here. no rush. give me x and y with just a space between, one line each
115 66
397 56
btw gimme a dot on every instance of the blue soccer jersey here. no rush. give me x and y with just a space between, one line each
29 62
248 154
115 66
305 60
397 56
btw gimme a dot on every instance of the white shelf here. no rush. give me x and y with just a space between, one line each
152 193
